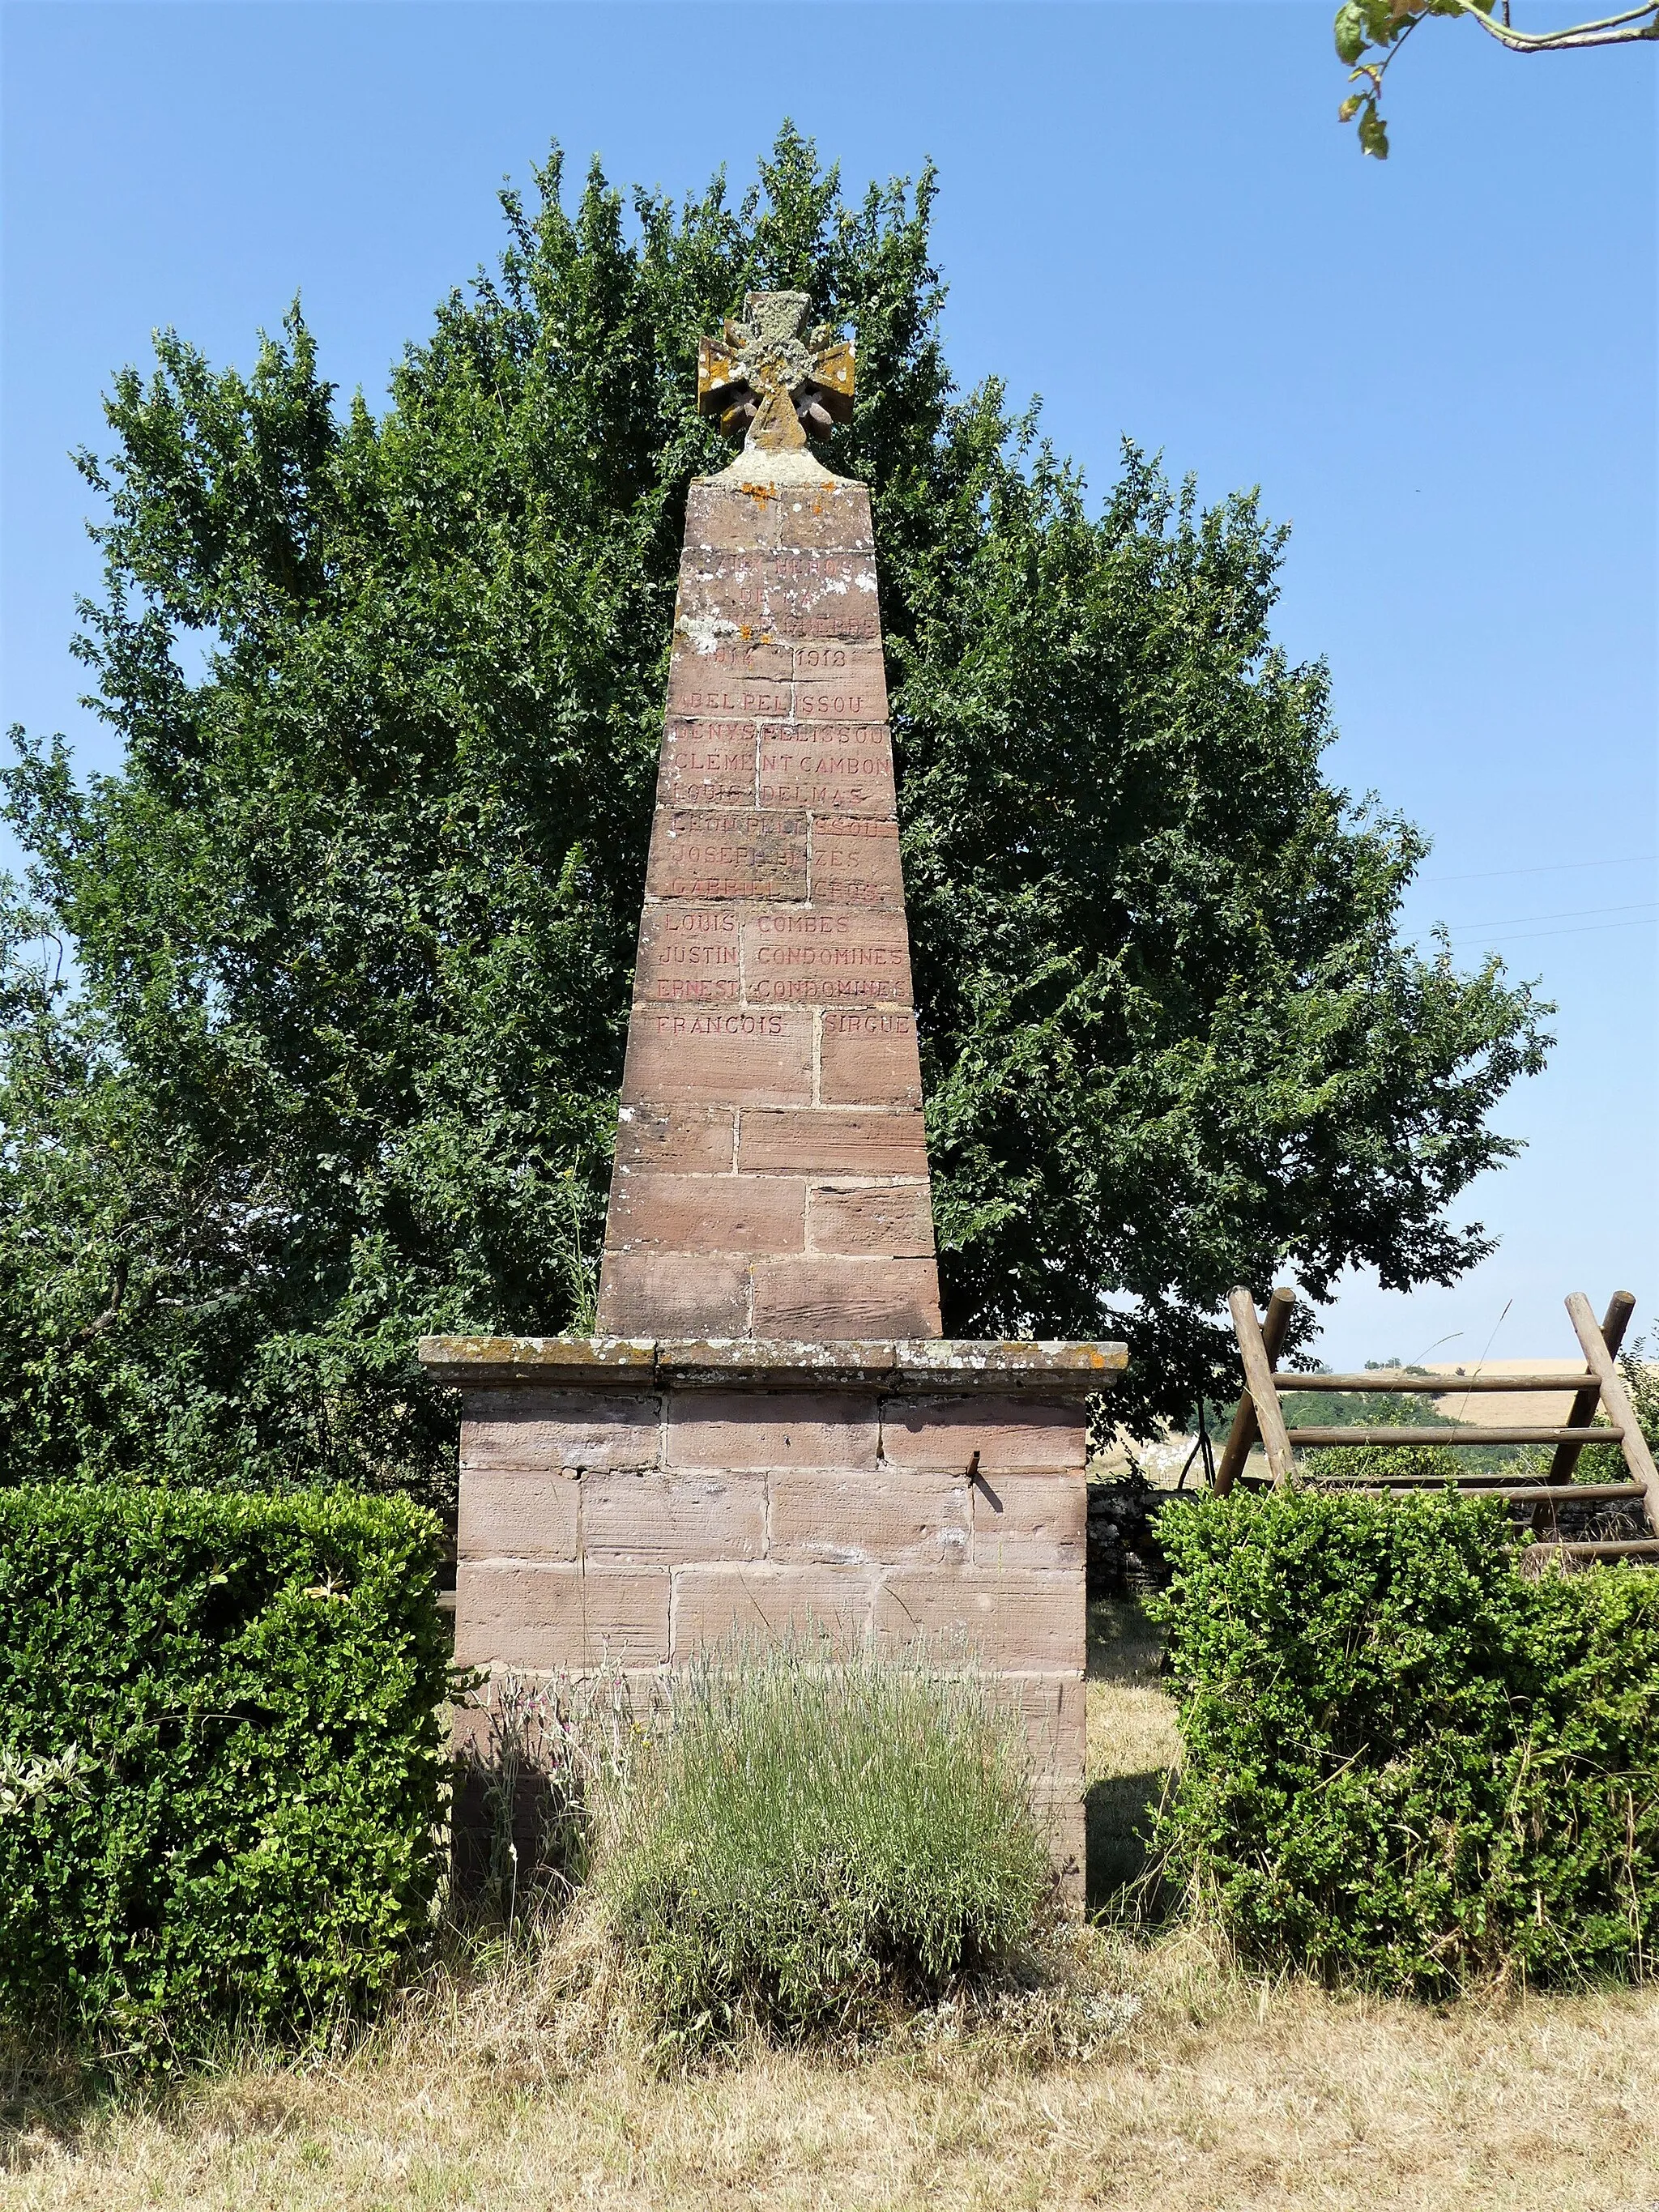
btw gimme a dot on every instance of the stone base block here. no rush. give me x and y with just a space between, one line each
642 1506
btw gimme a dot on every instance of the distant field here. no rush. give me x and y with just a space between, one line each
1162 1462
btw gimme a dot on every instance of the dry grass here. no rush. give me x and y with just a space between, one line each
1218 2096
1165 2078
1133 1743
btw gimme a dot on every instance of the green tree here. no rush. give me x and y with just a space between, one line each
1379 28
332 1057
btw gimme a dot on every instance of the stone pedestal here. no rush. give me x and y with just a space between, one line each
634 1503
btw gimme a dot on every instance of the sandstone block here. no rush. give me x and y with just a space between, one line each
699 1138
841 1142
731 663
1054 1711
830 1517
672 1294
1065 1825
823 769
894 1219
869 1058
721 1056
812 955
808 595
720 589
468 1730
705 853
1018 1618
827 518
1009 1434
742 1214
836 682
835 1298
517 1516
554 1616
855 862
771 1429
700 694
721 520
664 1519
688 952
1030 1521
715 1604
542 1431
707 765
1054 1791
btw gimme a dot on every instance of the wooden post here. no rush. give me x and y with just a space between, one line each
1243 1434
1637 1458
1621 1307
1381 1438
1258 1381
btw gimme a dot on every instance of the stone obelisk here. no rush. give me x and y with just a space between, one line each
771 1178
768 1436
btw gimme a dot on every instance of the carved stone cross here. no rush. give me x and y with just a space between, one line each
768 376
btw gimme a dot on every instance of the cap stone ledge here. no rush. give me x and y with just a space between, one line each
1067 1369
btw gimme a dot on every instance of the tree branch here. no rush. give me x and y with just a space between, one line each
1381 28
1610 31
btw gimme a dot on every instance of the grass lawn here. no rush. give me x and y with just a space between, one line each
1196 2090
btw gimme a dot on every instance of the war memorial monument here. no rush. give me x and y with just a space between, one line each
768 1434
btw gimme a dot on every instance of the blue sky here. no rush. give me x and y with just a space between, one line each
1440 371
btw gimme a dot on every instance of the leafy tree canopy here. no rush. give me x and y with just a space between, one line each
323 1047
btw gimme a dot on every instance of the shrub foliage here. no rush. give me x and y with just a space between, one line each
244 1693
810 1841
1406 1763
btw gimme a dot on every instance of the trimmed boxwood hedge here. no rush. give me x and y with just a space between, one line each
1406 1763
244 1692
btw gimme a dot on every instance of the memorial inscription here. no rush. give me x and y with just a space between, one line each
702 855
688 952
824 958
827 771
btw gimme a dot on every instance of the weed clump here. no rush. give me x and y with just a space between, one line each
814 1841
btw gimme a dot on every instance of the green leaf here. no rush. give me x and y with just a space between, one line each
247 1731
1350 31
1373 134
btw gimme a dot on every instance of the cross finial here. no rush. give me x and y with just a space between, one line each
770 377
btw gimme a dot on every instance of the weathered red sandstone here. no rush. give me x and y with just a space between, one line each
774 967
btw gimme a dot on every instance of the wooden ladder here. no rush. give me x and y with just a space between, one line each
1597 1384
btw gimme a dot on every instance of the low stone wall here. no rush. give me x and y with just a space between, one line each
645 1515
1125 1558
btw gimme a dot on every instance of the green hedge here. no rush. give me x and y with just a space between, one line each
1405 1764
219 1759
